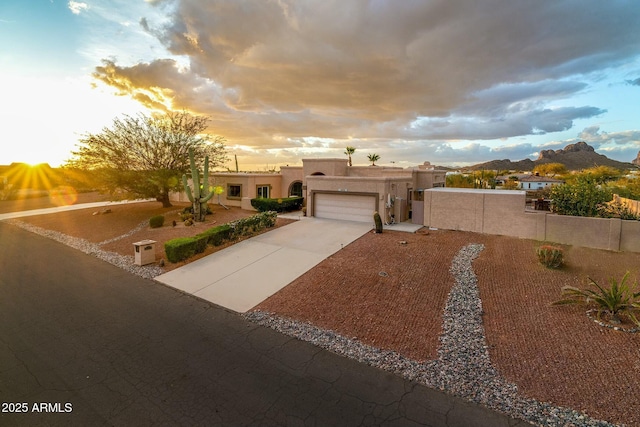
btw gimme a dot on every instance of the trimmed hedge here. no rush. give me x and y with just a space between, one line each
218 235
286 204
180 249
156 221
185 247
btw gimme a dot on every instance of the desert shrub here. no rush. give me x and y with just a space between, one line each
189 210
156 221
287 204
618 210
550 256
218 235
619 298
254 223
186 216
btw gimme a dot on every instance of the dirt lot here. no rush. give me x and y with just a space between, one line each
389 290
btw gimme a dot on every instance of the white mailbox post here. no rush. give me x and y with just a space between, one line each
145 252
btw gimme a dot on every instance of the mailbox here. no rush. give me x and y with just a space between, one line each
145 252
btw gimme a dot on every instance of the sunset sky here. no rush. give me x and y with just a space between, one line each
450 82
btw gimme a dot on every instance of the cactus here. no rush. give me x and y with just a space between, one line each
378 222
200 195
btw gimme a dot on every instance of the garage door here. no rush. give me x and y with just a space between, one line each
348 207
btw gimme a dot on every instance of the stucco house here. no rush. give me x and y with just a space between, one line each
333 189
535 182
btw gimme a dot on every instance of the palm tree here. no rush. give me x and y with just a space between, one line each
349 151
373 158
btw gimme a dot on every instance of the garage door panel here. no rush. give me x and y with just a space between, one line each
349 207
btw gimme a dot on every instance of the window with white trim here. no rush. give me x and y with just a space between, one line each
262 191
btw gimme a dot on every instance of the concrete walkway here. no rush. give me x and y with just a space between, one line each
245 274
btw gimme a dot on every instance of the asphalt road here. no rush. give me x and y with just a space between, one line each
84 343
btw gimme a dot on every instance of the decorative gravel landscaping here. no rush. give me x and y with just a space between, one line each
466 313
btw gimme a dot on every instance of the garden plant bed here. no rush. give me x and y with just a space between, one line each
391 295
126 224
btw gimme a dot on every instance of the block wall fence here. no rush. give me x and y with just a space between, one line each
503 212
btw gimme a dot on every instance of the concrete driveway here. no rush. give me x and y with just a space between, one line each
243 275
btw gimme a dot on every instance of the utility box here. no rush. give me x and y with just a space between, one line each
145 252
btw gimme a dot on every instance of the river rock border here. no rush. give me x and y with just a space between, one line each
463 367
593 315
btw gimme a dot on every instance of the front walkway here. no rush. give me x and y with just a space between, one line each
243 275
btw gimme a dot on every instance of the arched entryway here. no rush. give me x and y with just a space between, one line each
295 189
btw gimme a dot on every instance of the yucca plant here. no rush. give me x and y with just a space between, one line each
619 298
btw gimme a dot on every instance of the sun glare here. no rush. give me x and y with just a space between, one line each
40 180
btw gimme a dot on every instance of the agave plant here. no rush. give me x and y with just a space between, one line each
619 298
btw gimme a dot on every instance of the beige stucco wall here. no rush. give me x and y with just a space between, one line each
503 212
630 236
423 179
328 167
290 174
377 171
249 182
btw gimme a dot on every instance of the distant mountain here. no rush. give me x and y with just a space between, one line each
574 156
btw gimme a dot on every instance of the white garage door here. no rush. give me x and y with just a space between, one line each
348 207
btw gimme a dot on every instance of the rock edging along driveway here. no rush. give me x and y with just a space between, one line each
463 367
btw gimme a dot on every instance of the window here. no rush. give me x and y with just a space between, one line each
262 191
296 189
234 191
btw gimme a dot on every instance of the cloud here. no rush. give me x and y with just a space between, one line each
635 82
270 73
76 7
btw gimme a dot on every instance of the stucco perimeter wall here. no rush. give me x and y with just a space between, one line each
481 211
503 212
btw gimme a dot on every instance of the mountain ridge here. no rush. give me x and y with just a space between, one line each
576 156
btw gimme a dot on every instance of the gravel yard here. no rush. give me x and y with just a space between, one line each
392 299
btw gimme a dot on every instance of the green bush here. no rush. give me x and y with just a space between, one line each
287 204
254 223
218 235
550 256
583 197
156 221
185 247
180 249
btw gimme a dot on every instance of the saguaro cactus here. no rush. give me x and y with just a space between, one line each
200 194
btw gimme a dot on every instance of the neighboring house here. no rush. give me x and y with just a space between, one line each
332 189
535 182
